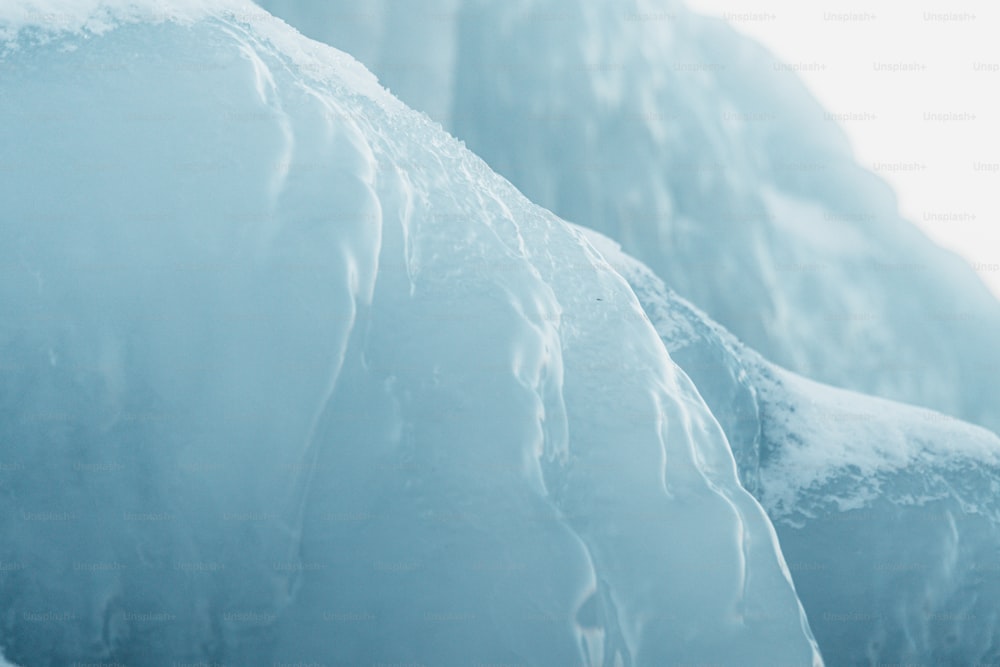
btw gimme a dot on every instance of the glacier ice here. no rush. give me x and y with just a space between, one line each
710 162
887 514
288 375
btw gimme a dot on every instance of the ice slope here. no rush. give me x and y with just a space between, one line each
888 514
710 162
289 376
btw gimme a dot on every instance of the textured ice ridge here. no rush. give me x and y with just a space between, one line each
289 375
887 514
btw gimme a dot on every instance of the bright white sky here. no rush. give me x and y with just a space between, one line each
962 77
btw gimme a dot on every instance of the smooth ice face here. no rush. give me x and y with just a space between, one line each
888 514
708 160
288 375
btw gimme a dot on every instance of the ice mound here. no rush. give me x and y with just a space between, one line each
888 514
287 375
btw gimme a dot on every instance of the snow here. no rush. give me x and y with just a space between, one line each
287 375
872 437
706 159
887 513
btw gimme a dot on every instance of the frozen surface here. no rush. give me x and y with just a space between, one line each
709 161
888 514
288 376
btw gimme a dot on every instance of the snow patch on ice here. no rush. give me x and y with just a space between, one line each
888 515
828 433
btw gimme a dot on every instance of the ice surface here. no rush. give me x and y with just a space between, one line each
709 161
888 514
287 375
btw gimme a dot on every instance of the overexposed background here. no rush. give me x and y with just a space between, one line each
944 116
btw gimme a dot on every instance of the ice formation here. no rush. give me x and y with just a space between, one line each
887 514
288 375
707 159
